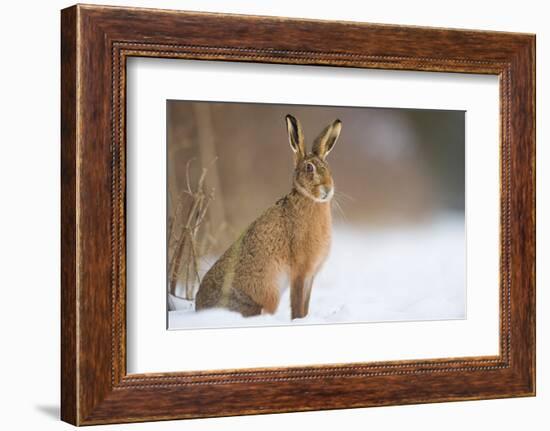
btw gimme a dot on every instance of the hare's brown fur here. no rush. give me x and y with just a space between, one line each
288 242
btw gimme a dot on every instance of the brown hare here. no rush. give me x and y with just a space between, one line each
288 243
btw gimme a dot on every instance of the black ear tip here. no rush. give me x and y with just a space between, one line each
290 119
337 122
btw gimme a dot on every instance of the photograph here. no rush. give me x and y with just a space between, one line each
334 209
298 215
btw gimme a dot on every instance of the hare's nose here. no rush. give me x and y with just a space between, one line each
325 192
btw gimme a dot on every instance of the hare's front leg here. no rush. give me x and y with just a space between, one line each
299 296
308 287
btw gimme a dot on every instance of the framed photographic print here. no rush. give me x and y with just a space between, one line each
316 215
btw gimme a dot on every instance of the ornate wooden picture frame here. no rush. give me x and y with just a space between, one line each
96 41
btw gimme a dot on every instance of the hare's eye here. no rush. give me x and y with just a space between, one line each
309 167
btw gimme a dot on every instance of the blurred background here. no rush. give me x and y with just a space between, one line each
394 169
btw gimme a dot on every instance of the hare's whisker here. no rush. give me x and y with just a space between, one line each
344 195
338 207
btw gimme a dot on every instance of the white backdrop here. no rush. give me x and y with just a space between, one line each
151 348
29 228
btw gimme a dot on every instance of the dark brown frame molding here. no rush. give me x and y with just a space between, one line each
95 43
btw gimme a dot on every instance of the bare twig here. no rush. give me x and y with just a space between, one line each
183 231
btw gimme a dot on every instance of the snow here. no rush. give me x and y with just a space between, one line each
404 273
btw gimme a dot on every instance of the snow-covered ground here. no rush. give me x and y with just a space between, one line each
371 275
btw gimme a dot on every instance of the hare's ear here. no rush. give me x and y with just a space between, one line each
326 140
295 137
